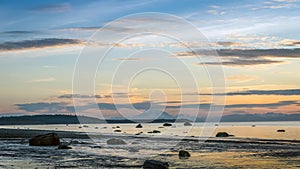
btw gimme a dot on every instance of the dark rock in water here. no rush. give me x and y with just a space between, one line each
96 128
154 164
96 147
167 124
281 131
118 131
139 126
253 125
63 146
85 126
155 131
133 150
77 142
222 134
115 141
117 126
50 139
187 123
160 127
183 154
139 133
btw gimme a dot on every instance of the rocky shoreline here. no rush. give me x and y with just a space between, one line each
85 153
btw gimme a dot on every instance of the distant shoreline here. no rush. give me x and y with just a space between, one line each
72 119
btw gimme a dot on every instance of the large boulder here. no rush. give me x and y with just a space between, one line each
154 164
50 139
115 141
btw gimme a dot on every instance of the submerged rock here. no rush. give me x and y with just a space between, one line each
139 126
63 146
281 130
222 134
115 141
187 123
183 154
50 139
154 164
167 124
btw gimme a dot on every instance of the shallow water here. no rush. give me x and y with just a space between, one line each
271 150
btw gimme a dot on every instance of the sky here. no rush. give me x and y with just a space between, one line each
183 57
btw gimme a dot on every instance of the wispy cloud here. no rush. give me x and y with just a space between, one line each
283 92
245 57
38 43
53 8
241 78
50 79
69 96
242 62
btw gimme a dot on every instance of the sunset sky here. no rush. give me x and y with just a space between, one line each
258 46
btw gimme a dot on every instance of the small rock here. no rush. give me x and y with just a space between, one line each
139 133
50 139
115 141
63 146
118 131
167 124
133 150
187 123
117 126
183 154
222 134
282 131
85 126
139 126
154 164
155 131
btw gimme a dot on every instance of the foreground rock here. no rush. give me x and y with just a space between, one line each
139 126
50 139
115 141
187 124
183 154
222 134
154 164
167 124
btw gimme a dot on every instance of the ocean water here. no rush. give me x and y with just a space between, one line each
262 130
